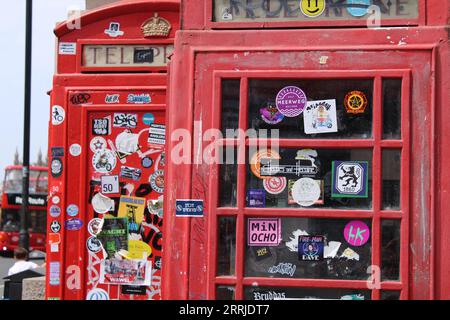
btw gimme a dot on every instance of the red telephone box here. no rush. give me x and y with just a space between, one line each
107 152
350 102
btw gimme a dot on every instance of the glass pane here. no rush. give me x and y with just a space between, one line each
391 179
279 191
275 293
230 104
390 295
326 115
308 248
225 293
226 252
228 178
390 250
392 107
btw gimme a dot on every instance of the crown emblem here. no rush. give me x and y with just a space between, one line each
156 27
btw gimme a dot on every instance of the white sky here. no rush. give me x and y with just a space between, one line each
12 59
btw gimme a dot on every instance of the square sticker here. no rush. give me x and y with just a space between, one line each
320 117
110 184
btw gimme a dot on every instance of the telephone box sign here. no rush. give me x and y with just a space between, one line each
120 56
300 10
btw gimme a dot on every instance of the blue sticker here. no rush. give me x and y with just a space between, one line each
147 162
55 273
73 224
148 119
55 211
57 152
72 210
310 248
358 8
143 98
350 179
189 208
256 198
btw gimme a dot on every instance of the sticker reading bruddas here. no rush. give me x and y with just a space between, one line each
291 101
310 248
130 272
264 232
350 179
320 117
357 233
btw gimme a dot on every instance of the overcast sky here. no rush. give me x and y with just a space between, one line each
12 34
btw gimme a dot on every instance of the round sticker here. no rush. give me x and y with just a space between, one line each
358 8
55 227
72 210
94 245
104 161
312 9
355 102
56 200
98 144
306 192
58 115
275 185
291 101
357 233
97 294
157 181
148 118
102 204
255 162
75 150
95 226
270 114
56 167
147 162
55 211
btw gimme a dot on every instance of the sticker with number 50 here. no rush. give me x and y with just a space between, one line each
110 184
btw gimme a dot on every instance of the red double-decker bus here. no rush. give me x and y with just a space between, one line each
11 205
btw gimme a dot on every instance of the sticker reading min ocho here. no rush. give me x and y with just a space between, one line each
264 232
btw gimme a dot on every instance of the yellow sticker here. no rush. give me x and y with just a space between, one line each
312 8
137 249
132 208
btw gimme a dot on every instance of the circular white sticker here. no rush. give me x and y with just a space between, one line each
97 294
98 144
75 150
306 192
104 161
275 185
95 226
157 181
56 200
72 210
102 204
58 115
55 211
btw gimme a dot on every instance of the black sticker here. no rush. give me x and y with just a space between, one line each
143 190
57 152
101 127
158 262
261 253
143 55
56 167
137 290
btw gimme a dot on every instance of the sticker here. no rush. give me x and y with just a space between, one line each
80 98
95 226
157 181
131 173
310 248
138 250
143 98
68 48
54 238
312 9
146 162
292 244
102 204
291 101
189 208
304 166
143 190
158 263
114 30
156 207
125 120
291 199
148 119
134 290
127 143
132 208
75 150
355 102
54 248
55 211
57 152
226 14
54 270
104 161
56 167
72 210
349 254
97 294
94 245
270 114
98 144
320 117
157 135
256 198
261 253
306 192
143 55
357 233
331 250
138 272
58 115
114 236
255 161
101 127
55 227
110 184
350 179
112 98
264 232
275 185
357 8
56 200
283 269
73 224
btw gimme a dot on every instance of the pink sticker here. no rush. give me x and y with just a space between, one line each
264 232
291 101
357 233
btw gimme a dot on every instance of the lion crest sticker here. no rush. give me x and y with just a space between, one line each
350 179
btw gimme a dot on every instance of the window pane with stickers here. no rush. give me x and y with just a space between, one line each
281 293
